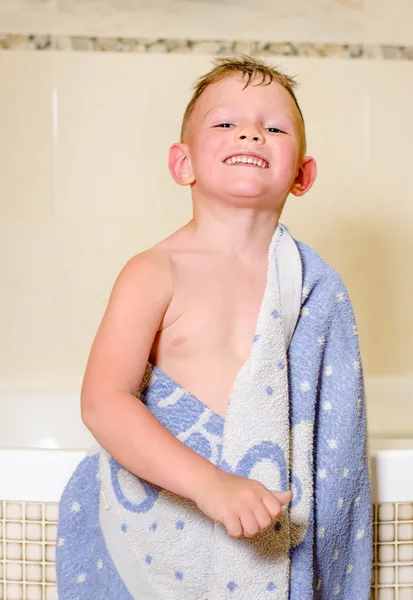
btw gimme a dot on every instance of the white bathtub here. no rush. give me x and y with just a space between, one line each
42 439
33 474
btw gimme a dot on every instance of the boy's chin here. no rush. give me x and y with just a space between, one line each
247 189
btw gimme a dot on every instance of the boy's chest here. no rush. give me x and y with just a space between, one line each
207 332
216 310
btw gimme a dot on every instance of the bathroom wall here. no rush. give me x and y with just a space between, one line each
91 97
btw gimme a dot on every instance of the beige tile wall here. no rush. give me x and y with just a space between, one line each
240 19
334 21
388 21
28 16
84 185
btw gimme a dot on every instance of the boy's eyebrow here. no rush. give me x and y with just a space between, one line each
215 108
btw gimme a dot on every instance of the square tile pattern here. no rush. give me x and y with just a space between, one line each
28 544
27 550
392 576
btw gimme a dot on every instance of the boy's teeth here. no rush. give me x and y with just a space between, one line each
250 160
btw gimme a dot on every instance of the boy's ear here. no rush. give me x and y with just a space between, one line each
305 177
179 164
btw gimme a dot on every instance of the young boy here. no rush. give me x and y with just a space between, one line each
179 331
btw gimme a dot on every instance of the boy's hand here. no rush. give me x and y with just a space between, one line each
245 507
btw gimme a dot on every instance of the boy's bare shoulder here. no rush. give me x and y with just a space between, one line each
148 270
152 270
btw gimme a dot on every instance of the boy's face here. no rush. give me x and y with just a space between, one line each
245 142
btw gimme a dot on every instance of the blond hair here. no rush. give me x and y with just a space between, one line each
251 68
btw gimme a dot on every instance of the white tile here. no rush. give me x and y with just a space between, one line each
33 572
51 512
386 575
14 551
33 512
385 594
386 512
51 592
405 512
34 592
405 552
50 574
50 553
406 593
14 591
51 533
406 574
34 552
14 531
405 531
386 532
14 511
386 553
34 531
14 571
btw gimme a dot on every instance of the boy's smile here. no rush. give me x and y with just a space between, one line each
247 159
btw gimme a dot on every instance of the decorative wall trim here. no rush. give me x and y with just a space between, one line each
223 47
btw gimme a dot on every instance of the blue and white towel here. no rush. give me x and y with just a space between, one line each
296 419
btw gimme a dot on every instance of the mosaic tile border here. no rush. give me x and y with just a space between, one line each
28 550
392 575
10 41
28 543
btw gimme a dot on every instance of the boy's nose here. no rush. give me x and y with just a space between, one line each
251 135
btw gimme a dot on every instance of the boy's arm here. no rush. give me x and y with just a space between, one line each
126 428
123 425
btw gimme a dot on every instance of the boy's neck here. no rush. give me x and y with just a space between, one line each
244 233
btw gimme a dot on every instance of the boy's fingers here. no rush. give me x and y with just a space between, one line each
273 505
249 524
284 497
263 516
233 527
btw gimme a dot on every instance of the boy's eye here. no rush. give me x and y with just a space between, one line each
224 125
274 130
